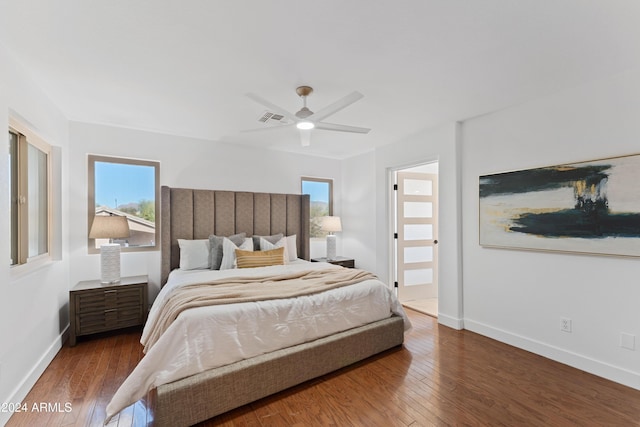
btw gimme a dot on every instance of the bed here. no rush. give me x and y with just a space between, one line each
256 364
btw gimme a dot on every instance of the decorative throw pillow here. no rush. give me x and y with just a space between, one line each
266 245
229 252
215 248
271 239
194 254
249 259
292 248
289 244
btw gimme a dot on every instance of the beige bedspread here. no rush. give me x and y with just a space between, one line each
247 289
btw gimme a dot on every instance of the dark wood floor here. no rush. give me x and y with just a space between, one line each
439 377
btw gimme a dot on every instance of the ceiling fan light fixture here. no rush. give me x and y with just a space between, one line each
305 125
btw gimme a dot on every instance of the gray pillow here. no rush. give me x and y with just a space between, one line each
271 239
215 248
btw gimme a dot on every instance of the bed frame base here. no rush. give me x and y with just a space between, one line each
202 396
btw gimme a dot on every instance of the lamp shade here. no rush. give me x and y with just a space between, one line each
331 224
109 227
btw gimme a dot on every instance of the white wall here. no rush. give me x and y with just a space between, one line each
184 162
33 307
358 211
519 296
438 144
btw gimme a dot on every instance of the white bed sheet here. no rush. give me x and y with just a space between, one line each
208 337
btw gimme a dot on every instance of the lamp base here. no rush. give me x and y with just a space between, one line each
331 247
110 263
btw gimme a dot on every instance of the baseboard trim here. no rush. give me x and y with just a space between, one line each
578 361
451 322
21 391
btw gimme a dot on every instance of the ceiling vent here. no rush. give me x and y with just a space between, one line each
269 117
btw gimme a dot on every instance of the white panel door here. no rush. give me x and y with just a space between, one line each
417 226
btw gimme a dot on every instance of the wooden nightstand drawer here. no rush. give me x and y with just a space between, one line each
97 308
99 300
92 321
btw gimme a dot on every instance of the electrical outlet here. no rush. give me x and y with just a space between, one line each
565 324
627 341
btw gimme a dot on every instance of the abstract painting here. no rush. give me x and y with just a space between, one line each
589 207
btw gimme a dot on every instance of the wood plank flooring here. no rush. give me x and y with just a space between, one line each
439 377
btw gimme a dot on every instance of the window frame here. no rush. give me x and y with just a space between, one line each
25 138
91 208
322 180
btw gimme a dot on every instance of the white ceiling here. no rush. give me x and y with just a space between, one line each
183 67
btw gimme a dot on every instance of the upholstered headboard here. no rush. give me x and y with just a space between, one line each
196 214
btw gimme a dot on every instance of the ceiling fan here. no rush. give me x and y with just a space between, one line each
305 119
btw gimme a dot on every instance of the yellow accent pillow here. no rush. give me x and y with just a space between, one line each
250 259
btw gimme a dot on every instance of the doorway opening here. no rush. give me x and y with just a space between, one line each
415 221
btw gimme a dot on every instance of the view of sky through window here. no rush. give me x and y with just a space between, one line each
318 191
118 184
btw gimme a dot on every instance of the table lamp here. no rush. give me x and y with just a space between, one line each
331 224
109 227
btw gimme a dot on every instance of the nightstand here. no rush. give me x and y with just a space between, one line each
95 307
340 260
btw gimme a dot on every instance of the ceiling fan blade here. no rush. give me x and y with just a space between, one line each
271 106
305 137
341 128
267 128
335 107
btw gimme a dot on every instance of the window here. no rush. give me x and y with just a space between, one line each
321 194
29 182
130 188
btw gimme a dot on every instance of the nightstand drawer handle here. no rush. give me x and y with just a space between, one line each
111 310
113 291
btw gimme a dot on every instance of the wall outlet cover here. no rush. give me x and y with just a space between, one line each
627 341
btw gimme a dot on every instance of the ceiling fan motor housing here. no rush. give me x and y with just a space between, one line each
303 113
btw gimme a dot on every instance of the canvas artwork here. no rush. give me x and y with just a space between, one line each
588 207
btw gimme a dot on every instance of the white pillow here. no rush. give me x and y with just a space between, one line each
266 245
229 252
292 248
289 243
194 254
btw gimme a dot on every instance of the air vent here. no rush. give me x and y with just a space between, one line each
269 117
